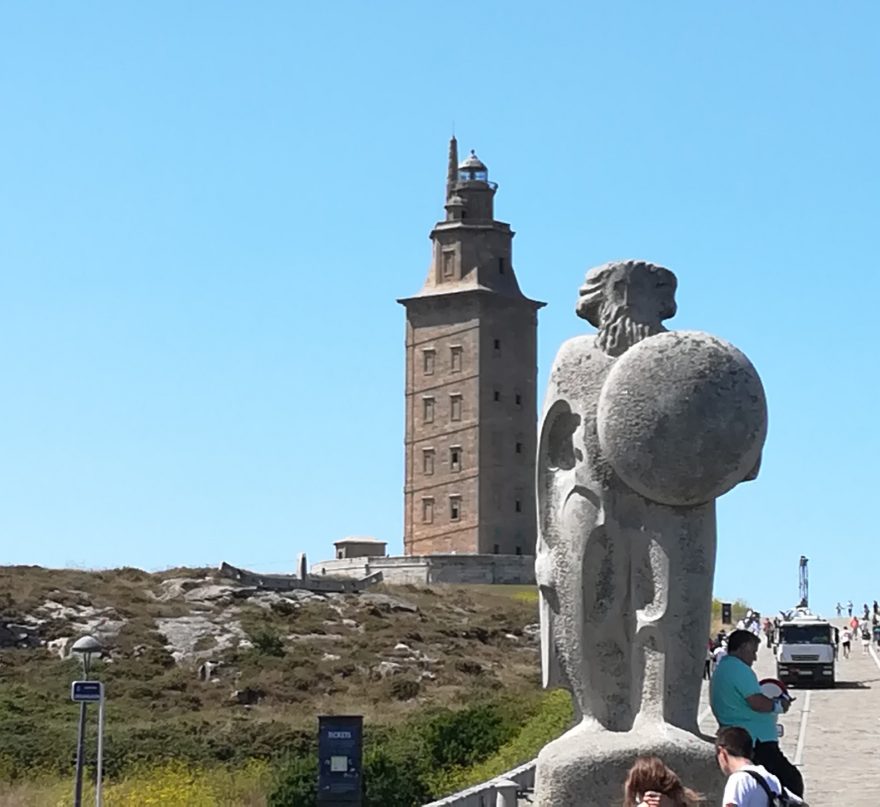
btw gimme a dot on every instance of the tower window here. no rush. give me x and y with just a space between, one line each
519 550
518 505
448 263
455 407
455 353
428 461
519 448
497 345
454 508
501 266
518 399
455 458
496 395
496 549
428 361
428 510
428 410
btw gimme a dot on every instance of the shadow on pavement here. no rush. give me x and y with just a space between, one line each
803 687
856 684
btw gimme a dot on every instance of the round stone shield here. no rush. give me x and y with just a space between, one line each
682 417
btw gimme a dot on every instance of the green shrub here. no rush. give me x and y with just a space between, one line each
268 643
296 782
404 765
553 718
403 689
461 738
396 769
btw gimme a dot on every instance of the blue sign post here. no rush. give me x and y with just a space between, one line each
83 693
340 761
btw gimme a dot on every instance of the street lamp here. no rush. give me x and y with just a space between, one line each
87 648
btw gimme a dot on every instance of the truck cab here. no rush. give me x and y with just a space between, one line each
806 649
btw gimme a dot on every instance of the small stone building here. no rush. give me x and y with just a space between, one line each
359 546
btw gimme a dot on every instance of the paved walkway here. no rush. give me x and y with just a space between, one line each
833 735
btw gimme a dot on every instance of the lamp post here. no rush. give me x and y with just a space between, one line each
87 648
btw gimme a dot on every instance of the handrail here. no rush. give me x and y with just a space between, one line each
484 794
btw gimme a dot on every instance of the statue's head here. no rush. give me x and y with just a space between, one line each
627 301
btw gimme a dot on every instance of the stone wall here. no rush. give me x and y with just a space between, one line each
427 569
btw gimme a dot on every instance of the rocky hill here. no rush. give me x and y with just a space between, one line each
200 661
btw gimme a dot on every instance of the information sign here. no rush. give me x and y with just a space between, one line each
726 613
87 691
340 759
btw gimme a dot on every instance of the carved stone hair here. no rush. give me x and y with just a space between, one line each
593 295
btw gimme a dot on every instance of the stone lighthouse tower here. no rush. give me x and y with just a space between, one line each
471 366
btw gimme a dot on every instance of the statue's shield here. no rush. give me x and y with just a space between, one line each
682 417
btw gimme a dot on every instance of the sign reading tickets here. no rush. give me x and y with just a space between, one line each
340 760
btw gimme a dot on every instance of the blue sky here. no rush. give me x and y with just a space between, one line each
208 209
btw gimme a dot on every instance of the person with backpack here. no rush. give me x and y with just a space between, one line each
736 699
748 785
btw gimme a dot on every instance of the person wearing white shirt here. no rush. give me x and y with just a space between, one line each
733 750
717 654
846 639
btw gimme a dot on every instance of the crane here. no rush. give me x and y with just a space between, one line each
804 583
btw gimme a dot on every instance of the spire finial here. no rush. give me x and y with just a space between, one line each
452 168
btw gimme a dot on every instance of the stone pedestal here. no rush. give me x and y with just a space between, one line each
587 766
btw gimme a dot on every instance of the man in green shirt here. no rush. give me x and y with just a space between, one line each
736 700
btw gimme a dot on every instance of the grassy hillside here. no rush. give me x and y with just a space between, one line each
447 678
393 654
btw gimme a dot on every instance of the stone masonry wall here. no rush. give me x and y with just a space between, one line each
424 570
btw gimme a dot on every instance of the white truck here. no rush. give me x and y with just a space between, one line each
806 649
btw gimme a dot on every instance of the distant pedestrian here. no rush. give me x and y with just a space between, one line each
866 640
846 641
707 666
867 611
876 632
839 609
768 632
876 609
849 607
717 654
650 783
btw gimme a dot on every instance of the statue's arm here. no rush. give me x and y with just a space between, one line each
554 466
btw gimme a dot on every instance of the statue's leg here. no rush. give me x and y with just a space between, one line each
650 593
673 586
607 642
576 628
691 550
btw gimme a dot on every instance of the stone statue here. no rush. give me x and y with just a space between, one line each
642 430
